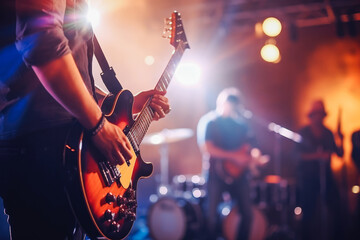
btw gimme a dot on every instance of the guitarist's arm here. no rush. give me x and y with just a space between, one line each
61 78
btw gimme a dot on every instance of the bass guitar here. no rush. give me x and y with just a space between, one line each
102 194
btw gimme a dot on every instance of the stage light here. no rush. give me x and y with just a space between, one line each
297 211
196 192
149 60
195 179
271 27
355 189
153 198
93 16
188 73
270 53
163 190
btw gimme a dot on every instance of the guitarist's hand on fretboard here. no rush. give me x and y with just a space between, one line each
158 102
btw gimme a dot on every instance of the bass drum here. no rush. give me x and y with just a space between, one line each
231 222
175 219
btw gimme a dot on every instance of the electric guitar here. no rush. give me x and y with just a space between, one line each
103 195
230 169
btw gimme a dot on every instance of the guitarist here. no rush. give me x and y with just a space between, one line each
224 136
46 51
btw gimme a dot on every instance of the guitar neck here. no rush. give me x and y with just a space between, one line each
145 117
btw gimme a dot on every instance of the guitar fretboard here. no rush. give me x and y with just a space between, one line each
145 117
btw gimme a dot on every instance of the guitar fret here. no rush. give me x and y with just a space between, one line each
133 141
165 81
163 85
137 134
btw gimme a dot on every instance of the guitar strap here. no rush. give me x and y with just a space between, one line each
108 75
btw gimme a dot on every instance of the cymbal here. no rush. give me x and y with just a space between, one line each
168 136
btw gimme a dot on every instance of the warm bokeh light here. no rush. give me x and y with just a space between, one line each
297 211
149 60
355 189
271 27
270 53
188 73
258 29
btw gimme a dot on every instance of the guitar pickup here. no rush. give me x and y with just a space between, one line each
114 171
105 172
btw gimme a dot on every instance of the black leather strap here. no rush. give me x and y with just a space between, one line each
108 74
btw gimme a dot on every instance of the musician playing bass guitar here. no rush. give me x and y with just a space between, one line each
225 139
46 50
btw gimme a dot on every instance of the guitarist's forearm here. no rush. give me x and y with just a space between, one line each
217 152
61 78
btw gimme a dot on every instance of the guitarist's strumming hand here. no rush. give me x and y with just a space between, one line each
112 143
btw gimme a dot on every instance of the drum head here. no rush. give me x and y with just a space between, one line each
166 220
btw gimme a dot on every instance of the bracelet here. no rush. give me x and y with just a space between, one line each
93 131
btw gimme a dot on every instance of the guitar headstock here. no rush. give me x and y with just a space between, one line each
174 30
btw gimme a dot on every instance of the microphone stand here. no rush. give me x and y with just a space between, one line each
279 131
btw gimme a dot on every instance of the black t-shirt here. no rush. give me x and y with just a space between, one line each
225 133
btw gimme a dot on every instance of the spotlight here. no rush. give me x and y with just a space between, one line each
93 16
270 53
271 27
188 73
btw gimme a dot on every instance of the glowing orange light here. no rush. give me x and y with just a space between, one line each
355 189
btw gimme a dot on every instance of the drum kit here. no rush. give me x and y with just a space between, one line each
178 213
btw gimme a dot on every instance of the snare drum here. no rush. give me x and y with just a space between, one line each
175 219
273 191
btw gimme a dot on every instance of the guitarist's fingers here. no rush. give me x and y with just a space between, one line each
124 145
161 100
156 116
117 158
160 104
158 110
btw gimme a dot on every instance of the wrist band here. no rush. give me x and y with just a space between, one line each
92 132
